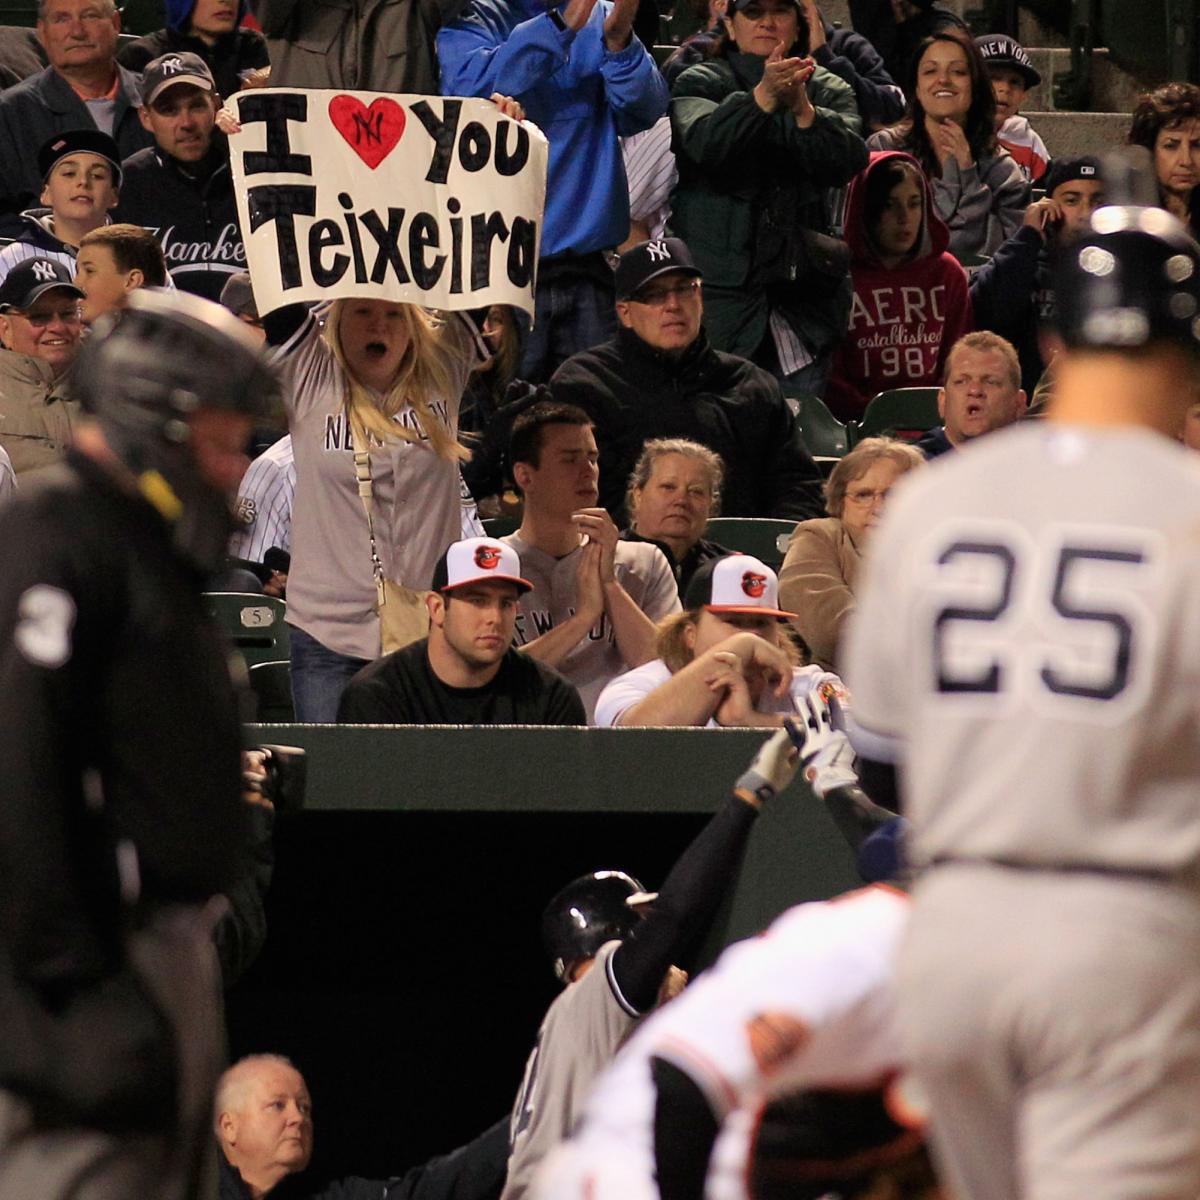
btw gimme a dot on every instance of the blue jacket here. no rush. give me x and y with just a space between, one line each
581 97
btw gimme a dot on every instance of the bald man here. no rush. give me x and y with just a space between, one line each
264 1126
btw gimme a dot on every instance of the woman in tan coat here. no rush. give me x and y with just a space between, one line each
817 579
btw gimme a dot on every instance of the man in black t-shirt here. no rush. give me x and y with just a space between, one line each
466 671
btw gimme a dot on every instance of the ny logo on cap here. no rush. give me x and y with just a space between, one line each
658 251
170 65
1085 169
44 271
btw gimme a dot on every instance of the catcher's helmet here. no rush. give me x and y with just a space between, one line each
588 912
1134 277
143 373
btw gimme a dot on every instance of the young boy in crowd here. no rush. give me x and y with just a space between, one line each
81 174
1012 76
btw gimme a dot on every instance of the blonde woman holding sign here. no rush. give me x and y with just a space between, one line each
373 404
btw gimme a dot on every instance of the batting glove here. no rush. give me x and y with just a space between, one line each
773 768
826 755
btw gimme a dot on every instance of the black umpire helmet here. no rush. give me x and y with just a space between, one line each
1134 277
589 911
144 371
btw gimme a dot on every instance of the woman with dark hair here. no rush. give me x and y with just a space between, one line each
911 301
1167 122
761 135
949 128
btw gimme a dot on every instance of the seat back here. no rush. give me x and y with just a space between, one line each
905 413
253 623
272 685
764 537
826 437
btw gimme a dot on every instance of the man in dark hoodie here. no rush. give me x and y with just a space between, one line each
1012 293
209 28
181 188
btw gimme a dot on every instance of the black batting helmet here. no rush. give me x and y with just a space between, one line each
589 911
142 374
1134 277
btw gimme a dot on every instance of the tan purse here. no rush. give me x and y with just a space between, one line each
403 615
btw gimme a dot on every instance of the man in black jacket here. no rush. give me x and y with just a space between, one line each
181 188
82 88
659 377
265 1130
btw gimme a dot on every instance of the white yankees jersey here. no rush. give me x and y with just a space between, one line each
809 1004
579 1035
264 503
16 253
652 175
641 569
1027 648
417 505
8 477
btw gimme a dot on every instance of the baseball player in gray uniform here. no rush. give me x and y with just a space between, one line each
617 963
1027 651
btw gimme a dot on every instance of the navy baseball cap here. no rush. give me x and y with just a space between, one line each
999 50
648 260
30 278
79 141
1065 170
170 69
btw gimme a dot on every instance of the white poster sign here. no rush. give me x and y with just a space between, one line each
430 200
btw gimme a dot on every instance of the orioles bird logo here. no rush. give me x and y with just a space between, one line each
487 557
754 585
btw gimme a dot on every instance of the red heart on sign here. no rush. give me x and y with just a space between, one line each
372 133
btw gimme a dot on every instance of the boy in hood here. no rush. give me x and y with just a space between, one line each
81 173
1012 75
213 30
911 302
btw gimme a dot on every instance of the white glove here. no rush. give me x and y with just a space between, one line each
825 752
773 767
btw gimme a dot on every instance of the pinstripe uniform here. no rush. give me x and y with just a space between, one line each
18 252
651 172
264 503
8 477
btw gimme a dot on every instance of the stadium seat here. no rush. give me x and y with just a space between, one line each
253 623
499 527
905 413
272 684
825 436
763 537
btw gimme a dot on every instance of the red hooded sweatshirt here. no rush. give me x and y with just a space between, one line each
903 321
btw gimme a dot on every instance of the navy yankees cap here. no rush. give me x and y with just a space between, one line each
30 278
648 260
169 69
999 50
79 141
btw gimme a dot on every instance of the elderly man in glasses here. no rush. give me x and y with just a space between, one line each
40 324
659 377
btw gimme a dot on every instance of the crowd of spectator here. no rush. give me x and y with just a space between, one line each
784 210
799 210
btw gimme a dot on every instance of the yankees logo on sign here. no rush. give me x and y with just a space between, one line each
45 272
431 200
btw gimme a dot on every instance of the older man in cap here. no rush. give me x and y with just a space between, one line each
40 324
181 188
659 377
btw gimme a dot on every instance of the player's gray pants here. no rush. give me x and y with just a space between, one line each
175 957
1054 1021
